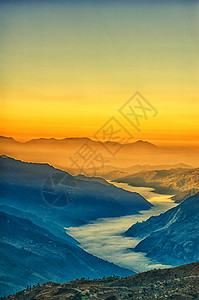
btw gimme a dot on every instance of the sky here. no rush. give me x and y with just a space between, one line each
66 67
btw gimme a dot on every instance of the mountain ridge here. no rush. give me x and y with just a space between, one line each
138 142
173 236
172 181
42 256
174 283
36 177
63 152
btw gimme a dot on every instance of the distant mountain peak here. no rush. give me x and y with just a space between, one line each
7 138
52 139
143 142
37 140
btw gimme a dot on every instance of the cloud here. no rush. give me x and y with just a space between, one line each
104 239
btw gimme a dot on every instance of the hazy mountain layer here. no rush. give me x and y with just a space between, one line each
171 181
61 198
67 154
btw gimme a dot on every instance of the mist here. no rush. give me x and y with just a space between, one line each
104 238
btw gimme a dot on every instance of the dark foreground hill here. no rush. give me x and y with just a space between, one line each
174 283
172 237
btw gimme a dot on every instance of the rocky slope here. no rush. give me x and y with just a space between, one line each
172 237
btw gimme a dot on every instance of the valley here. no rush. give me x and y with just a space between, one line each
99 150
79 226
104 237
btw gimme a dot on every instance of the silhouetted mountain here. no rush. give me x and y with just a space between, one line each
46 191
174 283
37 201
62 153
145 144
57 142
31 254
172 237
8 140
171 181
139 168
137 144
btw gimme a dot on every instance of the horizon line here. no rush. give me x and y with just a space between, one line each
73 138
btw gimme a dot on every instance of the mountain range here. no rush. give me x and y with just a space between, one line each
116 173
45 191
36 202
31 254
39 201
172 237
67 154
172 181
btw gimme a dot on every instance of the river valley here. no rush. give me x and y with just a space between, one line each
103 238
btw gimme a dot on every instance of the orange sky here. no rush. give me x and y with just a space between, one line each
68 68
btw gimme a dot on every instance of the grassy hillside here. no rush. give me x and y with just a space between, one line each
174 283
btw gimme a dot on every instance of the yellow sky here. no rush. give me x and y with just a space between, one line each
66 69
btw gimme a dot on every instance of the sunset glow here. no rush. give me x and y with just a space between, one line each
67 68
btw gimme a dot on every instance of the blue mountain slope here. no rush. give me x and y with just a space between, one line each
51 226
49 192
172 237
31 254
36 202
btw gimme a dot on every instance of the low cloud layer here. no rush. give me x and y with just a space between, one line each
103 238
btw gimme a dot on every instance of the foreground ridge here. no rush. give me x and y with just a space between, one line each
174 283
